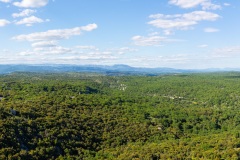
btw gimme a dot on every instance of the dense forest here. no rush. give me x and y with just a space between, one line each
68 116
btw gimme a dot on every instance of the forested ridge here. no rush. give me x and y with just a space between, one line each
93 116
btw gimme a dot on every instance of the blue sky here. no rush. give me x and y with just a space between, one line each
188 34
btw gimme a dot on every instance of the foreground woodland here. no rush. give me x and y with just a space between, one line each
92 116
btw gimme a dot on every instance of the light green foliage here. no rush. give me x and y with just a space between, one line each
89 116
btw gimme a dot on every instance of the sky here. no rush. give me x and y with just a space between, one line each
184 34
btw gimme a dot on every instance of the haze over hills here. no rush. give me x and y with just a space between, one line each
109 70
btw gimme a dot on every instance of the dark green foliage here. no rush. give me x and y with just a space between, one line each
89 116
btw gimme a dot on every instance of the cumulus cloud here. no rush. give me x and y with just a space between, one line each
31 3
89 27
55 34
148 41
210 30
29 21
45 50
49 52
3 22
44 44
59 50
205 4
24 13
181 21
87 47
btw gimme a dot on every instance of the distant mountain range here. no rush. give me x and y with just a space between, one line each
119 69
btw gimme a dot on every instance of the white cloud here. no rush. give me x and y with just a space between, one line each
24 13
227 4
25 53
186 3
201 16
88 58
55 34
31 3
5 1
165 61
209 6
99 53
41 50
87 47
3 22
181 21
221 57
211 30
205 4
93 50
29 21
123 50
154 34
29 58
231 51
168 32
49 52
89 27
148 41
44 44
203 46
58 54
58 50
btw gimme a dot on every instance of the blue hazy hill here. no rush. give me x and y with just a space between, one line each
104 69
